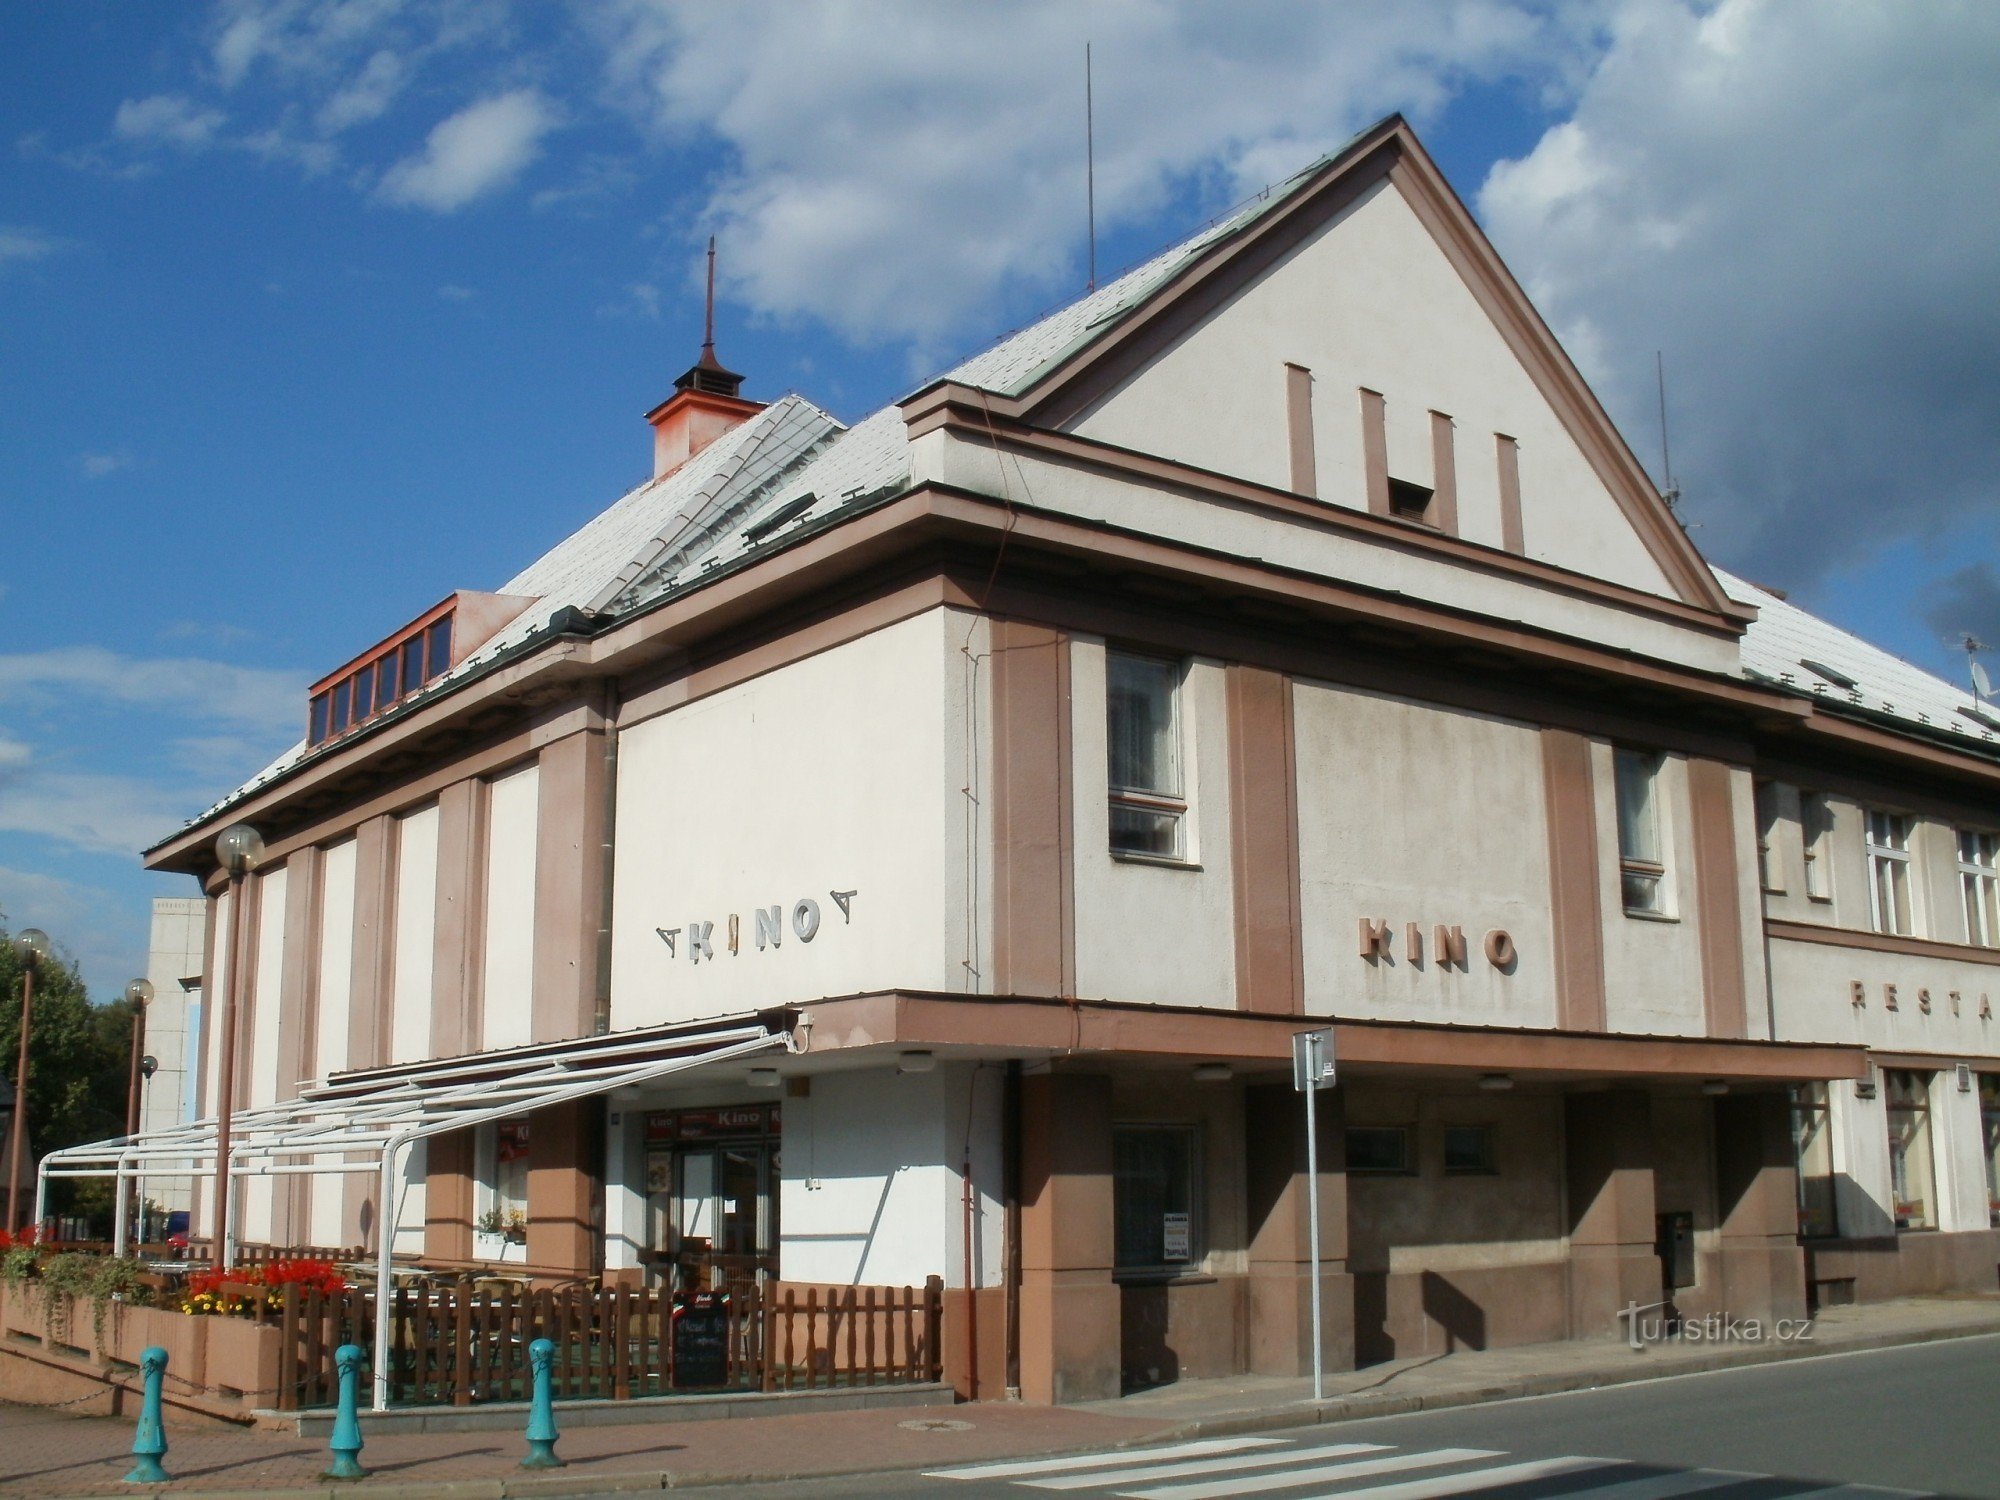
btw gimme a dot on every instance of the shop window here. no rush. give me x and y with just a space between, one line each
1379 1151
1155 1197
1148 803
1989 1119
1468 1151
1889 872
1816 832
1812 1147
1642 860
1907 1100
503 1156
1770 868
1979 882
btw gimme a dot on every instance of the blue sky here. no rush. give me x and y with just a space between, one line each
314 310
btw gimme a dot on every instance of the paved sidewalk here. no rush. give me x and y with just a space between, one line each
48 1452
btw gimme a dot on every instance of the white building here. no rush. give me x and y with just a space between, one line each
1279 637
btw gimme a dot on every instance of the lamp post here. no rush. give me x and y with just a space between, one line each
238 848
33 946
140 993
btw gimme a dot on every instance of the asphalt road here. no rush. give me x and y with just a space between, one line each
1914 1420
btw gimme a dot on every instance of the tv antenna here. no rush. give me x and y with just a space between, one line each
1671 493
1982 683
1090 166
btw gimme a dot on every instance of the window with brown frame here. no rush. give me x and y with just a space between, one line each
398 668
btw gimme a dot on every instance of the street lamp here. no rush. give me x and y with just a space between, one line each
33 945
238 849
140 993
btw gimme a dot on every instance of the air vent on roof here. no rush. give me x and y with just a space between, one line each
790 511
1831 674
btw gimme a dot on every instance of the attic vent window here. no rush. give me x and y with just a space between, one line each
1838 678
1981 716
791 510
418 653
1409 500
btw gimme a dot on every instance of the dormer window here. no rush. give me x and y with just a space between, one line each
417 654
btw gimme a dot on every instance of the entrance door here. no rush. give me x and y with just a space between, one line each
724 1214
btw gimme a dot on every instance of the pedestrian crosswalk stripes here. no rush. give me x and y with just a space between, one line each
1284 1469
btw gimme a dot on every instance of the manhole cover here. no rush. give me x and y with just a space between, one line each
936 1424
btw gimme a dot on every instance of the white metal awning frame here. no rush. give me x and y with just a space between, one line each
380 1114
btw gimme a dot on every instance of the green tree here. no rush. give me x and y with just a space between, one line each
79 1055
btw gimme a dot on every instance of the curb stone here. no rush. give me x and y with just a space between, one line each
1364 1405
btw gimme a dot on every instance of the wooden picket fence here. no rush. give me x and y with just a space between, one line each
464 1343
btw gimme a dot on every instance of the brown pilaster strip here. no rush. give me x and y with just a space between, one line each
1444 475
297 1010
1034 947
1575 909
456 933
568 876
1299 428
374 937
1508 454
1717 895
1375 449
1264 849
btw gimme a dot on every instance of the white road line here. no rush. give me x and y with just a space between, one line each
1664 1486
1857 1490
1234 1463
1333 1473
1102 1460
1466 1484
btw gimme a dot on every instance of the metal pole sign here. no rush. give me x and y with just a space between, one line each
1312 1070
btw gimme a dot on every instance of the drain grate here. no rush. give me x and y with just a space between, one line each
936 1424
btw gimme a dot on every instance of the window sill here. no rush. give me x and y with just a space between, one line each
1163 1276
1163 861
1818 900
1650 916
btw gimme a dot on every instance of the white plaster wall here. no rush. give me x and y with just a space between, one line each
174 952
507 1005
336 966
1862 1197
1812 988
410 1202
416 928
1750 906
871 1186
1652 967
835 773
1372 301
1122 906
265 1006
1959 1143
1383 835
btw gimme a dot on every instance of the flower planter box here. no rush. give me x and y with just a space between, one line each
499 1249
131 1331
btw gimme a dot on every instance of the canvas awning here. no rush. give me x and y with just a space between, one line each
366 1121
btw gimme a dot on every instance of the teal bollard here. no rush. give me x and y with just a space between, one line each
149 1443
346 1439
542 1410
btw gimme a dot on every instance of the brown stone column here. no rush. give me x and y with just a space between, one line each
1070 1332
565 1158
569 885
1275 1183
448 1190
1756 1195
1608 1149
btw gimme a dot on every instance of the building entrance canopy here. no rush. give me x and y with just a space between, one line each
367 1121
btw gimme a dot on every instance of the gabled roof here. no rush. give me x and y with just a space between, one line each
1788 648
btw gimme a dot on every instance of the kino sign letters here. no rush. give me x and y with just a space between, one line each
768 923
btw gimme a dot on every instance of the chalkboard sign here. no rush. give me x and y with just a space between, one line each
701 1339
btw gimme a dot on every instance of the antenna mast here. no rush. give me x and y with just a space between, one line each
1672 492
708 317
1982 685
1090 164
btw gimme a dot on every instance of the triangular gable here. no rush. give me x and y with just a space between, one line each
1148 312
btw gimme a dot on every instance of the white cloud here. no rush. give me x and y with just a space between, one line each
171 118
92 812
1795 204
479 150
896 170
18 242
452 292
366 96
102 465
253 697
107 932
